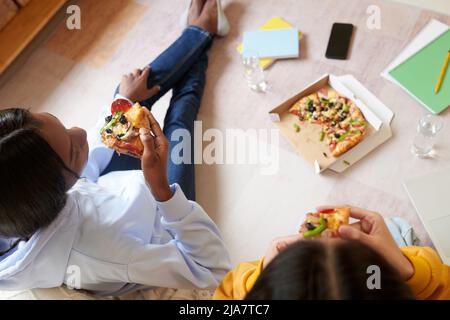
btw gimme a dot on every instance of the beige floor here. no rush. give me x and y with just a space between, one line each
442 6
71 73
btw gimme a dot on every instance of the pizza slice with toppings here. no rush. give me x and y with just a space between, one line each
324 224
121 129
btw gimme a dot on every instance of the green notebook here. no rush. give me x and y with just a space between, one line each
420 73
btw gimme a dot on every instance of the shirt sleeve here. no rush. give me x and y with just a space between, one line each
238 282
431 279
196 257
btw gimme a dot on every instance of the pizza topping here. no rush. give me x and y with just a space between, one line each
120 105
310 226
327 211
333 145
112 121
343 136
322 135
324 101
123 120
317 230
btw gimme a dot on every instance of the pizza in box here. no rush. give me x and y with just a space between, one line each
343 124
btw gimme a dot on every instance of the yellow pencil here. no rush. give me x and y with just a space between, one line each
444 69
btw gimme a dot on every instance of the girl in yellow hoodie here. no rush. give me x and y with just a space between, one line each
365 263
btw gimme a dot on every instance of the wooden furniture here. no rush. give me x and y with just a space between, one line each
8 9
25 25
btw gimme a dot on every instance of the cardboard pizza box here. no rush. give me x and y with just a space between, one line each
8 10
307 142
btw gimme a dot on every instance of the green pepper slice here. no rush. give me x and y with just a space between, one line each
315 232
342 137
115 118
322 135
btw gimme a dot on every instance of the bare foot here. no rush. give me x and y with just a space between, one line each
208 16
195 10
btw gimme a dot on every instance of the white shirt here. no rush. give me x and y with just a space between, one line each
113 237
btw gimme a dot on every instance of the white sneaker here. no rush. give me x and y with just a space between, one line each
185 16
223 25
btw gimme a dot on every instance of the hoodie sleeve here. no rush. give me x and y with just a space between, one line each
431 279
195 257
238 282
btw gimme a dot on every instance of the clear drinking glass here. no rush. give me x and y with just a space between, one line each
427 131
254 73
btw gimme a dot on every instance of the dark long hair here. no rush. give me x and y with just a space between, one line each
33 186
311 269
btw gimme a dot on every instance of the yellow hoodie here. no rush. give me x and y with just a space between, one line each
431 279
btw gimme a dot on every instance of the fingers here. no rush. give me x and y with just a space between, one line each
154 125
146 72
356 225
136 72
359 213
351 233
147 141
284 242
153 90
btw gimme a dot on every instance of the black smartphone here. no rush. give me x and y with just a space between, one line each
339 43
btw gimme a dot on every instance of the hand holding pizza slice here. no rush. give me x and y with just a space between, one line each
325 223
121 129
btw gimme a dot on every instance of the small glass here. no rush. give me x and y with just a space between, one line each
254 72
427 131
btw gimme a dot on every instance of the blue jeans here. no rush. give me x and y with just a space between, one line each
180 68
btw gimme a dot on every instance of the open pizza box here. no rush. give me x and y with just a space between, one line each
307 142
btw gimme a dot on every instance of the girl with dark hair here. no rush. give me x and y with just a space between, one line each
342 268
70 214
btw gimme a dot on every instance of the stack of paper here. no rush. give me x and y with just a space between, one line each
275 23
273 44
417 67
